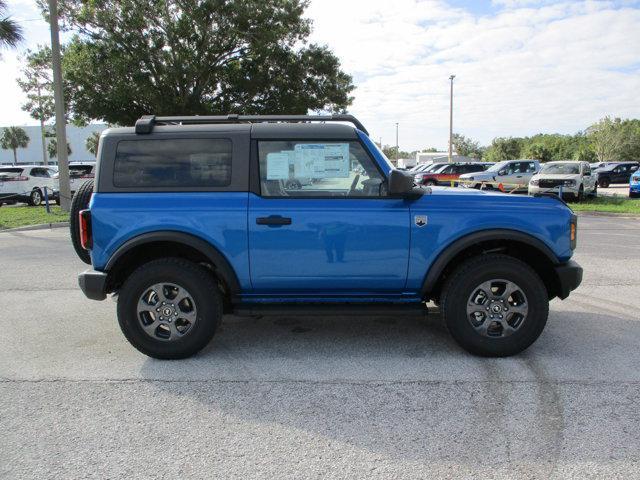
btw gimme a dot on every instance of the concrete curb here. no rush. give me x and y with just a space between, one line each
42 226
608 214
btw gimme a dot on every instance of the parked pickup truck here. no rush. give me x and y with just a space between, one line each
191 218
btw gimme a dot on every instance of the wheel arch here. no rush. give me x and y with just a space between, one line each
517 244
169 243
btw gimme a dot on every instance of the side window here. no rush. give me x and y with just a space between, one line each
634 168
173 163
447 170
39 172
531 167
586 169
318 169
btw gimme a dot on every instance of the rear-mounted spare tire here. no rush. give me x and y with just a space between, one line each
80 202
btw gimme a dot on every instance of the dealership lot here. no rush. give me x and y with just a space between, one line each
313 397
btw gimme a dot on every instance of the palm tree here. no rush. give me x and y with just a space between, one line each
10 31
14 138
91 143
52 148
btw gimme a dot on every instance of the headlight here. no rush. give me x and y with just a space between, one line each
535 183
569 183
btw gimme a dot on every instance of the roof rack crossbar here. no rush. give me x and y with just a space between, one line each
146 123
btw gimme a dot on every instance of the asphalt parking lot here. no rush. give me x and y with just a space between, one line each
367 398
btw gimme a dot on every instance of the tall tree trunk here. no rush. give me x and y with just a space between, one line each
15 157
45 158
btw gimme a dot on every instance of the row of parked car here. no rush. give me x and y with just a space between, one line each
28 183
573 179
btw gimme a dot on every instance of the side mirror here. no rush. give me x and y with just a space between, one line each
400 183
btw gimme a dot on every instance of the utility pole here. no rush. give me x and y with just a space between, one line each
451 120
61 119
397 146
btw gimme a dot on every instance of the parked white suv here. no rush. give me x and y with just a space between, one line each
79 172
575 179
26 183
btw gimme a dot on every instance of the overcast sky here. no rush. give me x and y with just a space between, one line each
521 66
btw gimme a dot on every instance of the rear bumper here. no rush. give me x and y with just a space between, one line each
92 283
569 277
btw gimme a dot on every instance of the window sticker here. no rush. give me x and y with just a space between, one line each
319 160
278 166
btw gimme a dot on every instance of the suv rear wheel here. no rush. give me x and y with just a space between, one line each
35 199
495 305
169 308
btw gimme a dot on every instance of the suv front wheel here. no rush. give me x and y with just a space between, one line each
495 305
169 308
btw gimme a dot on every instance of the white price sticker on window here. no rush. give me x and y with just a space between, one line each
278 166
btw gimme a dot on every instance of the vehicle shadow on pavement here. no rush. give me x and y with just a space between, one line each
400 388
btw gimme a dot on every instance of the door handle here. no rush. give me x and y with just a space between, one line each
273 220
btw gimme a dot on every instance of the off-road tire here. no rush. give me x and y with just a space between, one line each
80 201
467 277
604 183
197 281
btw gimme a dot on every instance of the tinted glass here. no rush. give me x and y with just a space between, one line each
569 168
313 168
173 163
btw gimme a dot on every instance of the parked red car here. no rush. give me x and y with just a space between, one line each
449 172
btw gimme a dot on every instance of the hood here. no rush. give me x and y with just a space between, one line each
555 176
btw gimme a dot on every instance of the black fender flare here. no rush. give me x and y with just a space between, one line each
441 262
222 265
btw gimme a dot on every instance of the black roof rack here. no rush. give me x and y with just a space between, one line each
146 123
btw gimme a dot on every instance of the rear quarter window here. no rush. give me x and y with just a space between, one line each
173 163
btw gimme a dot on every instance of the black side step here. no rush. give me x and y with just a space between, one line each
328 309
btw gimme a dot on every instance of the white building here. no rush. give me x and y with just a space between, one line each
434 157
76 136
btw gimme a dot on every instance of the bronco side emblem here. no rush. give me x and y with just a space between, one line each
421 220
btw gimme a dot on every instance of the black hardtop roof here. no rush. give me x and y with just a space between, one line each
263 130
147 123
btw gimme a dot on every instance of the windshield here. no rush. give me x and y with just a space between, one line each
497 167
569 168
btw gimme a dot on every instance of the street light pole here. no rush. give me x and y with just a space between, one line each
397 147
451 120
58 95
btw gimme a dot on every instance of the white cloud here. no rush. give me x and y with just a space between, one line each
531 67
522 66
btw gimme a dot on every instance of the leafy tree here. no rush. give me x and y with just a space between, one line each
14 138
607 139
91 143
10 32
37 84
465 146
134 57
537 151
504 149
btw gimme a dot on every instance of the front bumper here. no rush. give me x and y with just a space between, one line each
634 187
573 191
569 278
92 283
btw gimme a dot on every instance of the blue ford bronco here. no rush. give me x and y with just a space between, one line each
191 218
